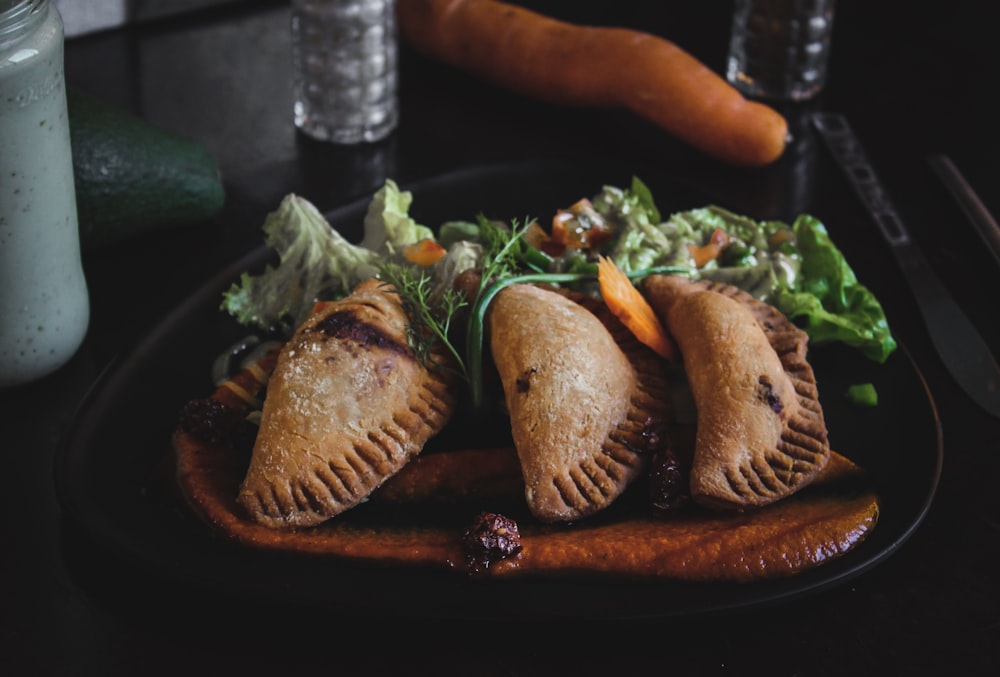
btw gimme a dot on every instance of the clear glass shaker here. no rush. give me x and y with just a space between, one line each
44 303
344 64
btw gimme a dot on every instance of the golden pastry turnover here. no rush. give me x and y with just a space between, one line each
583 414
761 434
348 405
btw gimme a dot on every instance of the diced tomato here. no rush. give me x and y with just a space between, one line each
580 226
536 236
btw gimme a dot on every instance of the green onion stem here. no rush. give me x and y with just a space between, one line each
477 319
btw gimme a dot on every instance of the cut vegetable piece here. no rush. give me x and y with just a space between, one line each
629 306
425 253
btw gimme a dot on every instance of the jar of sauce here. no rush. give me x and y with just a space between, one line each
44 304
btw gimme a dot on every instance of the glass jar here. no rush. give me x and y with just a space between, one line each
44 303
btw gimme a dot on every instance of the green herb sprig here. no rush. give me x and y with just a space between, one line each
430 318
507 260
505 263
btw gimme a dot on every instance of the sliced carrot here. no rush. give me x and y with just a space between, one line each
779 237
710 250
426 252
629 306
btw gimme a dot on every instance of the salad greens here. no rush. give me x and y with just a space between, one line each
318 263
504 260
388 224
862 395
797 268
430 314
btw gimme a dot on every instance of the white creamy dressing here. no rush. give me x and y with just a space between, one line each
44 304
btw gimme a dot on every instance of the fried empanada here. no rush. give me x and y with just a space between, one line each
348 405
584 418
760 431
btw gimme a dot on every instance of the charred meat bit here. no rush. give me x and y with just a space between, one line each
491 537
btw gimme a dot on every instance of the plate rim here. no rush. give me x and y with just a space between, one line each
116 372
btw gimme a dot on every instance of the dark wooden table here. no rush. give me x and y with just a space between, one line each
912 78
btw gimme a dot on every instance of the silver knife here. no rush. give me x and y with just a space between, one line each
963 351
972 206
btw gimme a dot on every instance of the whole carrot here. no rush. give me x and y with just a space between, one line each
574 65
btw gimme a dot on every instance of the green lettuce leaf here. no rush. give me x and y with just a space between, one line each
388 225
315 263
797 268
828 301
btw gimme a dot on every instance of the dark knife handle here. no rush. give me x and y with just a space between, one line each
961 348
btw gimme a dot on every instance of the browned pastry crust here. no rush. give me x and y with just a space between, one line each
837 512
584 417
760 433
348 405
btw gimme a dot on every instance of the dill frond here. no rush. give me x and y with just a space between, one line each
430 316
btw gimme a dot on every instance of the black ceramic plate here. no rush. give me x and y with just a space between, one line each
106 471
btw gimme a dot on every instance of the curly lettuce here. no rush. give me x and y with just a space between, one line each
316 262
829 301
796 268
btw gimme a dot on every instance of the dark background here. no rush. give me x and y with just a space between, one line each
913 78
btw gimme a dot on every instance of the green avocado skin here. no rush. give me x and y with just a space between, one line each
133 177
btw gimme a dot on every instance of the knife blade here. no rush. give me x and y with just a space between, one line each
971 205
962 349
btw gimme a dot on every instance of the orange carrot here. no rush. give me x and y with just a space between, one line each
426 252
629 306
597 66
710 250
